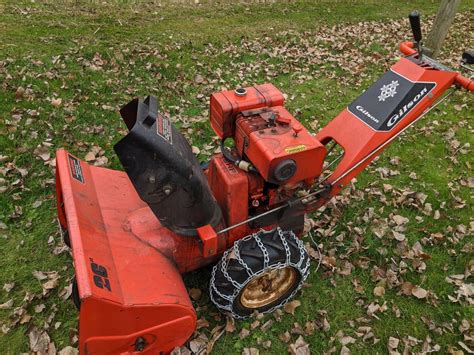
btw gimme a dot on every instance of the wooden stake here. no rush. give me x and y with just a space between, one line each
445 16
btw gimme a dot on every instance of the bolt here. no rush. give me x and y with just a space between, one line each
167 189
152 179
140 344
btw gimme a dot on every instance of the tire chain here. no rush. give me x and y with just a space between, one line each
238 287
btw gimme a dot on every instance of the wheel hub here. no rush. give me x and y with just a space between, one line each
268 287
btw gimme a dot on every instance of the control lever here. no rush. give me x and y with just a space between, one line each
415 24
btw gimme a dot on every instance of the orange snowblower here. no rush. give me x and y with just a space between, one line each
134 232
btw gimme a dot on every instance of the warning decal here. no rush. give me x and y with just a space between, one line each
75 167
163 128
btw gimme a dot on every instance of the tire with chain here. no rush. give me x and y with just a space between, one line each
261 272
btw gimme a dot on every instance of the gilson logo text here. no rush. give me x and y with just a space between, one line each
406 108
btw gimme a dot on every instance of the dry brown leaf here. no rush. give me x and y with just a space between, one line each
68 350
244 333
216 333
267 344
254 324
393 343
66 292
196 150
300 347
43 153
39 341
419 292
285 337
345 340
267 325
199 343
39 308
90 156
250 351
230 325
181 351
291 306
56 102
406 288
198 79
400 220
398 236
202 323
195 293
379 291
40 275
25 319
7 305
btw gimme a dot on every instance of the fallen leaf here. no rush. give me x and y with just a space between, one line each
39 308
250 351
230 325
291 306
42 152
198 79
68 350
195 293
202 323
399 220
244 333
347 340
379 291
267 325
285 337
300 347
39 341
199 343
8 286
398 236
7 305
56 102
419 292
90 156
393 343
254 324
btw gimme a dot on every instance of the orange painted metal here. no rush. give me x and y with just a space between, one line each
225 105
267 146
358 139
407 48
230 187
128 288
208 237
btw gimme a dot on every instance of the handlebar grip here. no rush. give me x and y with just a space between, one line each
464 82
415 24
407 48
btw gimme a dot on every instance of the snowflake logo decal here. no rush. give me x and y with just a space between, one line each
389 90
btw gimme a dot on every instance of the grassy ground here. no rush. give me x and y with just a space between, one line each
66 69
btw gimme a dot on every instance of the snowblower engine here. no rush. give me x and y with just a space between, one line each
268 139
272 156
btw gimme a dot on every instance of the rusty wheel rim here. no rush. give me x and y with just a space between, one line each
268 287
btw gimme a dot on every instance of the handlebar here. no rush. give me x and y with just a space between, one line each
407 49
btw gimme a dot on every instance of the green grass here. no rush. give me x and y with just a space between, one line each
146 48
